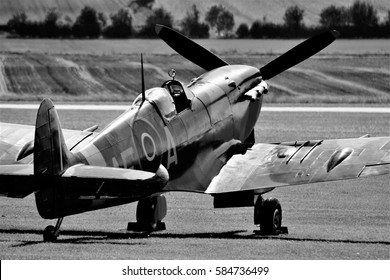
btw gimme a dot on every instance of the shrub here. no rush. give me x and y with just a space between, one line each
333 17
242 31
192 27
293 17
121 25
159 16
18 24
87 24
363 14
221 19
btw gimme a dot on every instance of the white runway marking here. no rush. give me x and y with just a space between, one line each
329 109
69 107
382 110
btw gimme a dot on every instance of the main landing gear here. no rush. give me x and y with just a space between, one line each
150 212
51 233
268 214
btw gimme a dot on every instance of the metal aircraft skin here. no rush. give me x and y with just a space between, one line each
194 138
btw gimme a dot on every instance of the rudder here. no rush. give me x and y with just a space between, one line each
51 156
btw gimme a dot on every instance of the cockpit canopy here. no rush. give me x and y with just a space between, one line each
170 99
160 98
179 95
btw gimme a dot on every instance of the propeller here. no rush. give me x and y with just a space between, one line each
298 54
189 49
209 61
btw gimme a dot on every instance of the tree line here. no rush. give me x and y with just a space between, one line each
359 20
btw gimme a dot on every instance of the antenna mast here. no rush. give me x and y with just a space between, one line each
142 79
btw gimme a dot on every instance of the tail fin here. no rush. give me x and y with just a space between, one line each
51 156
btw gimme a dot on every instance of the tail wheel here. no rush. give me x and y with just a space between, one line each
271 216
49 234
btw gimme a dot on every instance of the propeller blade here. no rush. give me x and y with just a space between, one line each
298 54
189 49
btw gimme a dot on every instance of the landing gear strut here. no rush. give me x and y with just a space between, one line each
268 214
51 233
150 212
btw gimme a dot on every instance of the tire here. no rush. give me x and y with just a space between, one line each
49 234
145 214
271 216
145 210
150 212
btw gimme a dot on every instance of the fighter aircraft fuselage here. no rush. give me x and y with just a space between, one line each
190 144
146 136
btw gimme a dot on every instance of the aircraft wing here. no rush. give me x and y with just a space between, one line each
17 180
266 166
83 181
17 141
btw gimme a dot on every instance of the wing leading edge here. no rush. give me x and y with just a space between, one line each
268 165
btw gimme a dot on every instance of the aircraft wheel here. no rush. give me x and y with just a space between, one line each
271 216
145 214
150 213
49 234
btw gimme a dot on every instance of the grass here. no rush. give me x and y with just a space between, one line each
229 47
30 76
335 220
348 71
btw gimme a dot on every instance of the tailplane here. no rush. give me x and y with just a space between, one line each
51 156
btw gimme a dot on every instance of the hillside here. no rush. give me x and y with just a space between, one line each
244 11
81 77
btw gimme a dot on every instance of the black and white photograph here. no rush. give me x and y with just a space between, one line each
195 130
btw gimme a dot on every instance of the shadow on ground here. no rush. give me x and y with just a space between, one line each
90 237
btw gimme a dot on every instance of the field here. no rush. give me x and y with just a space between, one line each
98 47
244 11
349 71
335 220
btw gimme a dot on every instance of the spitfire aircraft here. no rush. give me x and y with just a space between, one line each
193 138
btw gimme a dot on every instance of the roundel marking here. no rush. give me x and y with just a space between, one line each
146 145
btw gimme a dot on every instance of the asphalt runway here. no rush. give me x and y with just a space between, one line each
334 220
266 108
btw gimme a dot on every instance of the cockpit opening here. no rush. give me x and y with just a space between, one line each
175 88
170 99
